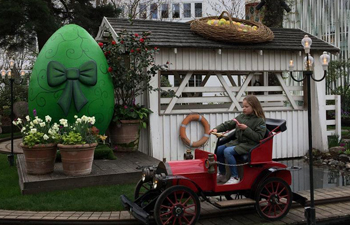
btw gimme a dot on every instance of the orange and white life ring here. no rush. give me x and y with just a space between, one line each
184 138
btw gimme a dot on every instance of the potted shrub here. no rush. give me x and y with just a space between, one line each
131 65
77 145
39 143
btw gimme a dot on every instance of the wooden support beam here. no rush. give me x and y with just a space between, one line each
178 92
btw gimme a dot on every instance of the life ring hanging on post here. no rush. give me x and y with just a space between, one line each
184 138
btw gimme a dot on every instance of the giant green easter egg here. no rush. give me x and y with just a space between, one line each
70 77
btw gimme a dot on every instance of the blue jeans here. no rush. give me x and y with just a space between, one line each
229 153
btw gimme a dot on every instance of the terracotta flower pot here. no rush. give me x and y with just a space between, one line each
40 159
125 136
77 159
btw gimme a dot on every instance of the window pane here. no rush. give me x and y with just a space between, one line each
176 10
143 11
187 10
198 9
154 11
165 11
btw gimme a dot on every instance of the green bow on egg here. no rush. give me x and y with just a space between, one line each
86 74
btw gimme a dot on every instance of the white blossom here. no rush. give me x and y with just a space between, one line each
91 120
64 122
45 137
35 121
33 131
48 119
23 129
28 118
75 117
56 127
42 124
84 118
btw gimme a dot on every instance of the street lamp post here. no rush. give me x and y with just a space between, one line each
11 76
310 212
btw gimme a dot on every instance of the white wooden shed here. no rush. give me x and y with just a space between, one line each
211 78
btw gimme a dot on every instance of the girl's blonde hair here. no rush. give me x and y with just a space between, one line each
255 104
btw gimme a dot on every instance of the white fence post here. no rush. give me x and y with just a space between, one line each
337 114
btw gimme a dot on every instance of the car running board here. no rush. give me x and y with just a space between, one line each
234 203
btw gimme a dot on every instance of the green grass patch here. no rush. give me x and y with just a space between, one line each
102 198
101 152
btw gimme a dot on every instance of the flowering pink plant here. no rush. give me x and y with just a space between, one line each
131 65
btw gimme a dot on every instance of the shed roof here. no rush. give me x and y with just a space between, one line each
179 35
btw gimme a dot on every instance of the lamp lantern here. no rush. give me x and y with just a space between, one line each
9 74
308 61
12 63
22 73
3 73
291 65
324 58
306 42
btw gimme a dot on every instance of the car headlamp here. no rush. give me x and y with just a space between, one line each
158 180
155 184
147 174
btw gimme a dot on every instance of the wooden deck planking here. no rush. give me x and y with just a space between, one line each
104 172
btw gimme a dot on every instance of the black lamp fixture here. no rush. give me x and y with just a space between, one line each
13 77
310 212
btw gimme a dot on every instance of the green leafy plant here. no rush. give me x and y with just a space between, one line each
81 131
38 131
347 152
131 66
333 140
134 112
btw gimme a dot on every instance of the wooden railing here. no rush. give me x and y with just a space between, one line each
195 93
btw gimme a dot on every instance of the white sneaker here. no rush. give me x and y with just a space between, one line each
220 178
233 180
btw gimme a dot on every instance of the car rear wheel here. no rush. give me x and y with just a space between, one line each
177 205
273 198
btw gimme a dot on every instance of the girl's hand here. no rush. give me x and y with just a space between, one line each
213 130
241 126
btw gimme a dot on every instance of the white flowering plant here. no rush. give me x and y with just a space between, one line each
82 131
38 131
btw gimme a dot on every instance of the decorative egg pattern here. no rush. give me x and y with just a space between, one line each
70 77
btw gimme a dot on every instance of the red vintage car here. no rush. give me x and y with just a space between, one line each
169 193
